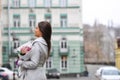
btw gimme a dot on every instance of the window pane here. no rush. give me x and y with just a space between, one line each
48 17
64 62
16 21
31 3
63 3
49 63
47 3
4 49
16 43
16 3
32 21
63 21
63 43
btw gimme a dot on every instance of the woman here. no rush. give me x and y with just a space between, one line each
34 58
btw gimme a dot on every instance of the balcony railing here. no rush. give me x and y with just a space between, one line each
64 51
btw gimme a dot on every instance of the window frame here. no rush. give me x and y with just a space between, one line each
63 3
49 63
32 3
63 43
64 62
47 3
32 20
16 20
16 3
48 18
63 20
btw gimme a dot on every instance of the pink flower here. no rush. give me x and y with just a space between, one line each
25 49
28 48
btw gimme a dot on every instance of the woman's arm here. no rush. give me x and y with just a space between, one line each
34 59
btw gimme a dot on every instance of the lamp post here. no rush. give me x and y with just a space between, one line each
14 65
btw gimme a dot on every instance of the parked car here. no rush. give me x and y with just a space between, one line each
53 73
3 76
8 72
108 73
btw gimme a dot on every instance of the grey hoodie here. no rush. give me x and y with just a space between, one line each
31 64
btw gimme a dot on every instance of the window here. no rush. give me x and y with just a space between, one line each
63 21
4 49
49 63
1 70
64 62
48 17
63 3
63 43
118 42
16 20
16 43
31 3
48 3
32 20
16 3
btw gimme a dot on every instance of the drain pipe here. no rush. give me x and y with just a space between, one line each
9 45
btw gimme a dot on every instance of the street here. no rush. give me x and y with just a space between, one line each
91 69
81 78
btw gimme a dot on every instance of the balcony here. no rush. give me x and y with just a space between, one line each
64 51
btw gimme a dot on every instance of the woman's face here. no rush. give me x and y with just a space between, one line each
37 32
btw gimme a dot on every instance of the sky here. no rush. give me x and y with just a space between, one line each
103 11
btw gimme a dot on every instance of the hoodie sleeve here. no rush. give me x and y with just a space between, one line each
34 59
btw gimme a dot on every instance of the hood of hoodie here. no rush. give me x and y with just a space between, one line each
41 40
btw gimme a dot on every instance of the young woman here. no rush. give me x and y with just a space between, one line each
33 59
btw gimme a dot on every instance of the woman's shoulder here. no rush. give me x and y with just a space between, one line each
39 41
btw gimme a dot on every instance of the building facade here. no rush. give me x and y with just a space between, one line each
0 36
65 16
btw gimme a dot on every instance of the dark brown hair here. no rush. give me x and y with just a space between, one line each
46 30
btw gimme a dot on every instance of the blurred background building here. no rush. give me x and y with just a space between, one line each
65 16
99 43
0 34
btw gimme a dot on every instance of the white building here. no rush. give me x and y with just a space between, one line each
0 45
0 36
65 16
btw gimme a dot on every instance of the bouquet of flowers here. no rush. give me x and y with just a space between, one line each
27 45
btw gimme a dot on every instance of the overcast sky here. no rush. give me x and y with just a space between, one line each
104 11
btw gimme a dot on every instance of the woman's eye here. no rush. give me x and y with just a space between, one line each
36 28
